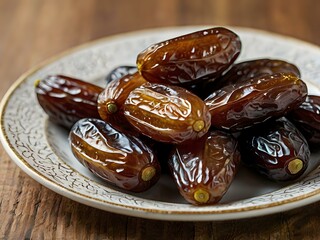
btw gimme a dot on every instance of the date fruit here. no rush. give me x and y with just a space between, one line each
277 149
203 54
244 71
120 72
66 99
112 98
307 118
120 159
167 113
242 105
204 169
258 68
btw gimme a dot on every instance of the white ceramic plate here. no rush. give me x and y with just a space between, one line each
40 148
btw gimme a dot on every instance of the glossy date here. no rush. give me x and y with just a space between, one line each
242 105
167 113
258 68
277 149
111 100
246 70
307 118
120 159
204 169
66 99
185 59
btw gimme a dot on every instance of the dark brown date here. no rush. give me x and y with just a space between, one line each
111 100
307 118
244 71
258 68
66 99
120 159
242 105
200 55
204 169
167 113
276 149
120 72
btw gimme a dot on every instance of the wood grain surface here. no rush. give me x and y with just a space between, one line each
33 30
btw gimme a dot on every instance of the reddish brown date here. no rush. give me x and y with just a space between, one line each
120 159
307 118
167 113
251 69
242 105
277 149
66 99
111 100
204 169
200 55
258 68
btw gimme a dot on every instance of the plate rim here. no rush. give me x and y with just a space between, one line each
179 215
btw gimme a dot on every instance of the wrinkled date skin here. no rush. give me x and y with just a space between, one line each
120 159
200 55
252 69
277 149
242 105
258 68
167 113
204 169
307 118
120 72
66 99
112 98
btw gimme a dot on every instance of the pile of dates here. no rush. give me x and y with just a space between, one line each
187 109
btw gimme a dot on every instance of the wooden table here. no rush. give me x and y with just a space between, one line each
33 30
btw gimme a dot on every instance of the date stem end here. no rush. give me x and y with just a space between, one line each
148 173
198 125
36 83
112 108
201 196
295 166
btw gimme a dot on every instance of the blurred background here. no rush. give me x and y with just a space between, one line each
34 30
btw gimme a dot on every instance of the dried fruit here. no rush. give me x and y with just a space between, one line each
244 71
258 68
120 159
242 105
204 169
167 113
307 118
66 99
200 55
277 149
112 98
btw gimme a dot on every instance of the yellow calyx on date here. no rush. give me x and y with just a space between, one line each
201 196
295 166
